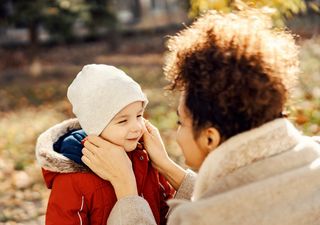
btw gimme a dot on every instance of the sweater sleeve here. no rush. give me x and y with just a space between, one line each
136 210
131 210
186 188
66 205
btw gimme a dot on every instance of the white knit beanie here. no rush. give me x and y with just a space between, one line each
99 92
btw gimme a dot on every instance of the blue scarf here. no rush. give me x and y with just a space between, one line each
70 145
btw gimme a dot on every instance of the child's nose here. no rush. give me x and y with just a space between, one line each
137 126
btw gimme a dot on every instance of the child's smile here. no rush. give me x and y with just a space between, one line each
127 127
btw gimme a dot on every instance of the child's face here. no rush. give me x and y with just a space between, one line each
127 127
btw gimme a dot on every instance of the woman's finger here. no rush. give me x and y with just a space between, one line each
149 126
86 161
90 146
95 140
144 128
86 152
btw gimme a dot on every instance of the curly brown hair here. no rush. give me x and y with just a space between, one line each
235 69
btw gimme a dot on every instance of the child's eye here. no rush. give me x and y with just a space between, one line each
122 121
178 122
139 116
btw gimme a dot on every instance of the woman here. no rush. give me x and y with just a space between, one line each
234 73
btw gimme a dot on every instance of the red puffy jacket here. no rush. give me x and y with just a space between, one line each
84 198
78 196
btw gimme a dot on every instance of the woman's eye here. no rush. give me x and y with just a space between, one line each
178 122
139 116
122 121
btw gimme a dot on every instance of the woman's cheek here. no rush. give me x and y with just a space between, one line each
178 137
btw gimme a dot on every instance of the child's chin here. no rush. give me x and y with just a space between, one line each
130 148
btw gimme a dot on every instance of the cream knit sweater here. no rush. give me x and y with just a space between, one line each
267 176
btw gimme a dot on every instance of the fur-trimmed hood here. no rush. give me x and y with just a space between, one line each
51 160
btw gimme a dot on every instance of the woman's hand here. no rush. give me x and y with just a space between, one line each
111 163
154 146
160 160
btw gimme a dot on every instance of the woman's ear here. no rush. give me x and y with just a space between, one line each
209 139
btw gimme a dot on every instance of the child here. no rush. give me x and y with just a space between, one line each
106 102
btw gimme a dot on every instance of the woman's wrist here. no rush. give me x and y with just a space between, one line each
173 173
125 187
164 166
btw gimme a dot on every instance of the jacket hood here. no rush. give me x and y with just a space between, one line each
54 162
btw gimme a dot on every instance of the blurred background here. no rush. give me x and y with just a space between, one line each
45 43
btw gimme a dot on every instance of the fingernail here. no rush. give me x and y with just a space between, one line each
84 140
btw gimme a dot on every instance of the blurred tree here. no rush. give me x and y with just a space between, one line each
99 14
58 16
4 12
27 14
280 10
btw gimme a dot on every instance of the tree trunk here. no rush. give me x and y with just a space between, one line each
153 4
33 34
136 10
35 68
114 39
